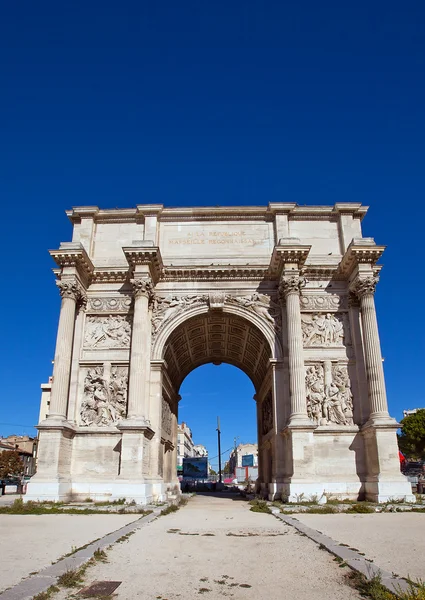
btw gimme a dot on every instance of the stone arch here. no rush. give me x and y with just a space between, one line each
251 320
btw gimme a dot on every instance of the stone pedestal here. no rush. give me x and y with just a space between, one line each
384 480
52 481
300 481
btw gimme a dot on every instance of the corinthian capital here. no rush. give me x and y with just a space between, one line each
362 287
143 287
73 290
290 285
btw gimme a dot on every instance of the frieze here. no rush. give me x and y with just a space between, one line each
323 302
105 396
120 304
329 397
112 331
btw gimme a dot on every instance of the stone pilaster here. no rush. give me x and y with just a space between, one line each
364 288
71 293
290 287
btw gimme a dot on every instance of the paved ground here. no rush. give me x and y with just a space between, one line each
32 542
394 541
216 547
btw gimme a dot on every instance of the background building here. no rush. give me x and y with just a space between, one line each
412 411
236 456
28 457
46 389
200 450
185 445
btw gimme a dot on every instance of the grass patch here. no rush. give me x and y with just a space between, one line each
71 578
100 555
360 508
373 588
259 506
125 537
203 590
170 509
369 588
53 589
321 510
19 507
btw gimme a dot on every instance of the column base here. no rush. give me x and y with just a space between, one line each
43 490
384 481
299 491
389 491
141 492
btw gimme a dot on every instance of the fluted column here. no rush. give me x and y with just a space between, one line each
137 399
365 290
71 293
290 292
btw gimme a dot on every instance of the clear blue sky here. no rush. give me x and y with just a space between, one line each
198 103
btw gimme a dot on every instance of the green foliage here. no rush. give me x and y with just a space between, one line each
71 578
411 440
100 555
321 510
47 594
19 507
373 588
11 464
260 506
170 509
360 508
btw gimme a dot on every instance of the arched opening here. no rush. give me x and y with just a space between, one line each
223 391
220 337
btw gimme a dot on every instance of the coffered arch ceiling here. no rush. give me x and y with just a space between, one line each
217 337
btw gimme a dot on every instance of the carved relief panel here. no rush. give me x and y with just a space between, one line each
167 418
104 401
112 331
329 397
329 329
267 414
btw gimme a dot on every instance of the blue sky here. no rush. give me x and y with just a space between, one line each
198 103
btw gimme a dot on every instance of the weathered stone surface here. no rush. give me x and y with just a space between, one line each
283 292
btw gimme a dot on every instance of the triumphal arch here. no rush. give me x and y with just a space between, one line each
284 292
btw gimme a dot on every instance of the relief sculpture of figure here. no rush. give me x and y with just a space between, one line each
331 403
164 307
261 304
104 402
113 331
322 330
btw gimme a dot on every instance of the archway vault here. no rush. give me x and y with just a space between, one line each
217 337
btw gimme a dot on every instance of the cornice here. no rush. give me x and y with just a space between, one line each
287 251
217 213
360 251
110 275
218 273
72 254
145 254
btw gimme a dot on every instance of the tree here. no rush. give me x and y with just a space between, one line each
411 440
11 464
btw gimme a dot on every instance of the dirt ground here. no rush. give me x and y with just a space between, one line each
394 541
31 542
216 547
